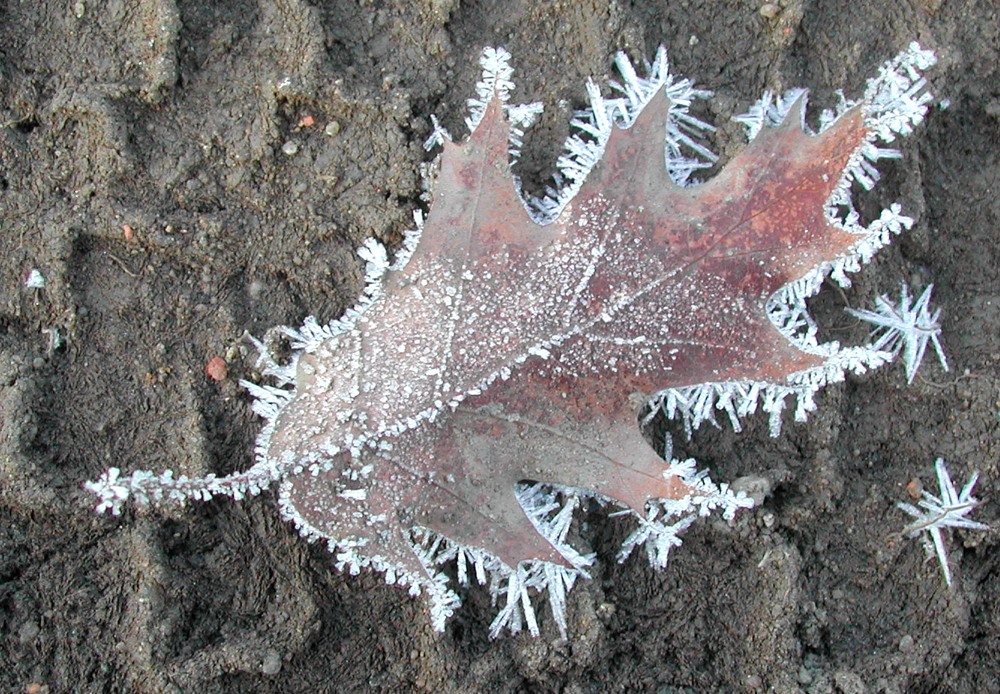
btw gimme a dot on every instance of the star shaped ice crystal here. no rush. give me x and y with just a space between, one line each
947 511
906 327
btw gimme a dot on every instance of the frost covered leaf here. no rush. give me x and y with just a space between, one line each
513 342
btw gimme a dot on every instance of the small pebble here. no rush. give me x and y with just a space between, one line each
769 10
271 664
34 280
28 632
216 369
290 148
756 487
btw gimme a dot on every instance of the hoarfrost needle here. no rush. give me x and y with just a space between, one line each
938 513
906 327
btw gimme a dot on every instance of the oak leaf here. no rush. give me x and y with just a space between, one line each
496 370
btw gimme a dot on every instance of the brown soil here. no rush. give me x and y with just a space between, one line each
142 172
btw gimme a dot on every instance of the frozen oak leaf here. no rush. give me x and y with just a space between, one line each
493 371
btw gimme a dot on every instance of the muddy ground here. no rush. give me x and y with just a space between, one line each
180 173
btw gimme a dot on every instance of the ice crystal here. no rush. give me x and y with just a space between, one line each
907 327
938 513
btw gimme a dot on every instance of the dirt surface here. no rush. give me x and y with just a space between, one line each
182 173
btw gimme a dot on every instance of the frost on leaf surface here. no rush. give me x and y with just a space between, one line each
493 371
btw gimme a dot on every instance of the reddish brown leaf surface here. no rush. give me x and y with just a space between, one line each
645 284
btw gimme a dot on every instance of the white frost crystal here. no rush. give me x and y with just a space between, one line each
938 513
665 519
906 327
